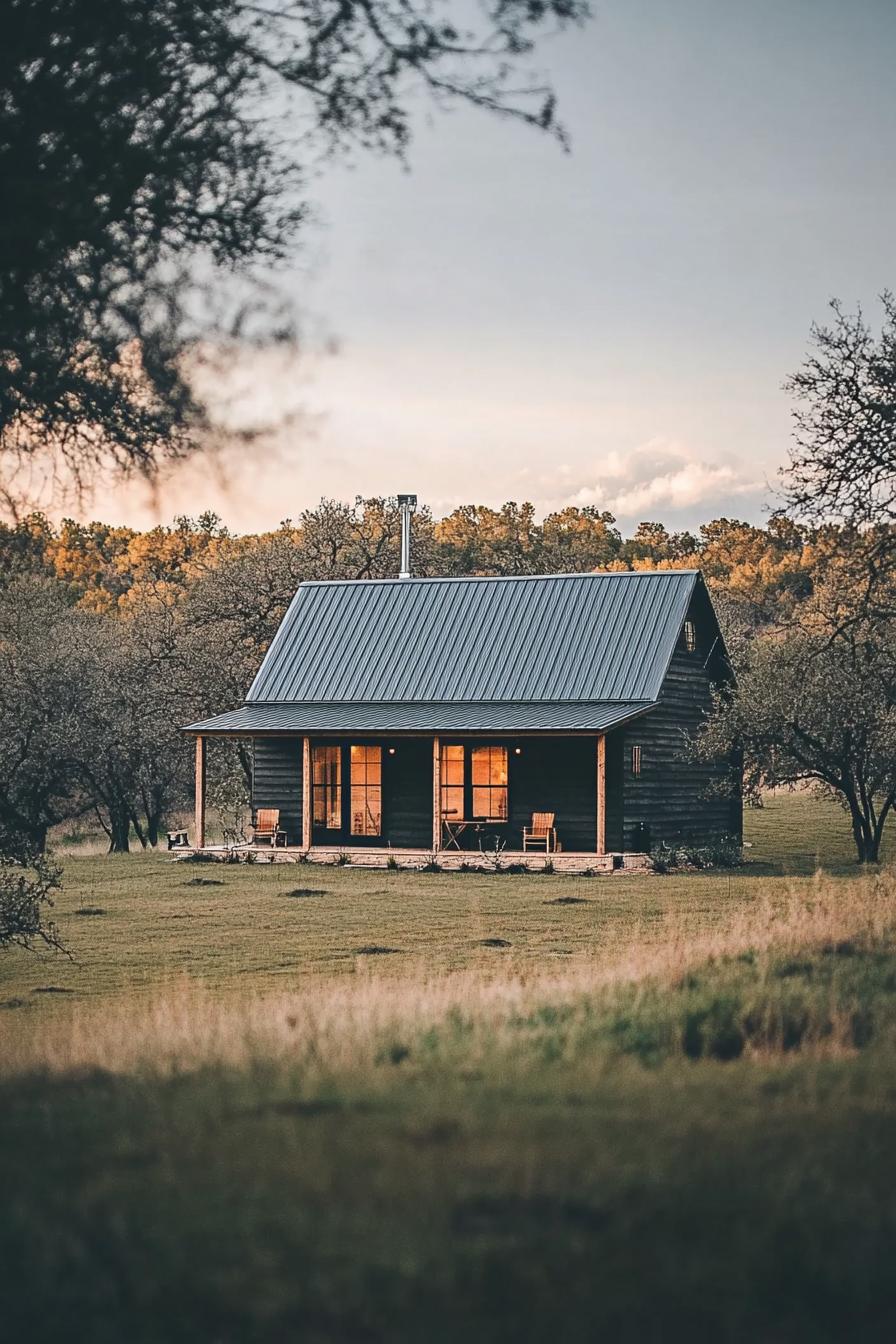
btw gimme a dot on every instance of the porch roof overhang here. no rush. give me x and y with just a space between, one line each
451 716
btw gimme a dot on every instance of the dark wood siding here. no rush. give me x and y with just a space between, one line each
407 799
675 798
614 792
277 781
559 775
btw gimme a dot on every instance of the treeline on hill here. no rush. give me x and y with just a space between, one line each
112 638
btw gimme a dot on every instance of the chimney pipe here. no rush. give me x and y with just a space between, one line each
406 506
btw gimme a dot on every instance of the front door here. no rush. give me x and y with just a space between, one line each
347 793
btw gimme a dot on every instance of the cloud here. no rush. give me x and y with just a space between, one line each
663 476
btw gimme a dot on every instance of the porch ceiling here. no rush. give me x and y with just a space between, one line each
452 716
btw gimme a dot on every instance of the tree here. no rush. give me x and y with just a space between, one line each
574 540
42 704
28 878
842 473
475 539
154 154
38 775
843 464
808 707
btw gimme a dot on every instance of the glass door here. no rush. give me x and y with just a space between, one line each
366 810
326 786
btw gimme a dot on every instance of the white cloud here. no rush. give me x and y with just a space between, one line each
662 475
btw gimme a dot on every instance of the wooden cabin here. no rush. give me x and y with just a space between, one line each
408 716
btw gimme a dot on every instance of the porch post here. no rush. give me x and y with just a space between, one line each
200 792
306 793
602 794
436 795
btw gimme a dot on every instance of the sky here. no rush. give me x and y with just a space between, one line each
610 326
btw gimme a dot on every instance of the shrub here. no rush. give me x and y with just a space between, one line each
726 852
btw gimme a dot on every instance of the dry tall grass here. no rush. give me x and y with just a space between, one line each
341 1026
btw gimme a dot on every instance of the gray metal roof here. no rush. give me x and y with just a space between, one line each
538 638
424 717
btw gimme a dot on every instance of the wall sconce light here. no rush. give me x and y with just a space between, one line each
517 751
391 751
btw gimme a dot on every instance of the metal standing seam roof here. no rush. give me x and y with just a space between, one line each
425 716
468 652
543 637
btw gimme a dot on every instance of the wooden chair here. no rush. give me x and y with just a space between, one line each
542 832
267 827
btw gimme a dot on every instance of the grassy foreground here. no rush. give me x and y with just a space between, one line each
625 1108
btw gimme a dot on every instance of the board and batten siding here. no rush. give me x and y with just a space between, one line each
676 798
277 781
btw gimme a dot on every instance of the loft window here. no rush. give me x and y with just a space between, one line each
636 760
366 790
452 781
690 636
326 782
489 779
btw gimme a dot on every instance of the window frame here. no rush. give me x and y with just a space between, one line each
689 635
491 788
461 754
637 760
448 757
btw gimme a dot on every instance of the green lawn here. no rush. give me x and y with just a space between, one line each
241 928
579 1164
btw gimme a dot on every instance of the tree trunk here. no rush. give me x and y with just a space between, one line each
119 830
867 841
138 830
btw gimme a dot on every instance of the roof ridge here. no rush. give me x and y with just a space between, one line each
505 578
443 700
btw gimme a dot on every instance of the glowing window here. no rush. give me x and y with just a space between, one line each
452 780
636 760
326 779
366 790
690 636
489 778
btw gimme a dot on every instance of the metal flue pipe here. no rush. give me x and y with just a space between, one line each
406 505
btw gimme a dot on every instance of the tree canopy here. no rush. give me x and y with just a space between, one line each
157 157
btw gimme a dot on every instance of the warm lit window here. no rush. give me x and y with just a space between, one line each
690 636
636 760
367 790
489 778
452 769
327 787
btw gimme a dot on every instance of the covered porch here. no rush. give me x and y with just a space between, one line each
464 800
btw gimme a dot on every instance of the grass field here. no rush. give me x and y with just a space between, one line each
327 1104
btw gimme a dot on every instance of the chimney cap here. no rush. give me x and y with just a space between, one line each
409 500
